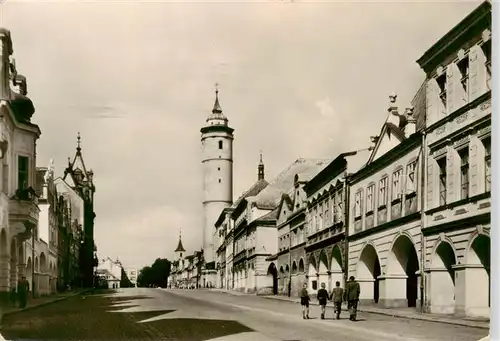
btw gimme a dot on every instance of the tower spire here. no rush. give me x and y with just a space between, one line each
217 108
180 247
260 172
78 141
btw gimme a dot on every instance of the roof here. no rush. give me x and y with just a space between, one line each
470 26
305 169
180 247
255 189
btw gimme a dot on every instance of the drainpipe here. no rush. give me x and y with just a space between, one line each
423 191
346 228
33 231
289 289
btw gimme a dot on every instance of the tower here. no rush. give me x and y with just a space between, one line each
83 183
179 251
260 170
217 164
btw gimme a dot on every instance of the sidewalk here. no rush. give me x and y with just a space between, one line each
400 313
39 302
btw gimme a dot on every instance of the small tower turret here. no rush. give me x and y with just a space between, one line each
260 172
179 251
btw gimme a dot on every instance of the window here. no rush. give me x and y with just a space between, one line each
220 145
339 205
220 180
464 172
327 211
396 184
487 164
23 173
218 168
411 181
382 192
486 47
369 198
463 66
441 81
357 204
442 181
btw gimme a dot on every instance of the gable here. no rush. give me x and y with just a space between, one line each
389 138
285 208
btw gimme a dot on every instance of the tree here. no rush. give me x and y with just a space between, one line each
155 275
124 280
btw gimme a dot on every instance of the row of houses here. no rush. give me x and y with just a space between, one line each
409 216
44 232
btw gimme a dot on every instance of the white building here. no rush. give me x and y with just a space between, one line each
132 274
217 161
18 135
458 168
110 271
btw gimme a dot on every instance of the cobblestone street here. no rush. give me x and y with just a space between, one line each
156 314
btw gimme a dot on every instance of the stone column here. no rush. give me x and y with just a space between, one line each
4 272
393 291
441 292
366 286
472 290
13 273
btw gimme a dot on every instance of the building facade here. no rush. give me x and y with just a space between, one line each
18 135
217 161
69 216
385 219
255 231
325 244
81 180
109 272
292 234
458 168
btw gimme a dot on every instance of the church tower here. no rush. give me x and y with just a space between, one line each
217 163
179 252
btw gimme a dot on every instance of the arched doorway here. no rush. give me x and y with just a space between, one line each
273 272
337 274
367 273
312 274
442 279
323 269
301 265
403 260
479 254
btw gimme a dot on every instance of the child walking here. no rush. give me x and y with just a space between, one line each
304 301
337 298
323 298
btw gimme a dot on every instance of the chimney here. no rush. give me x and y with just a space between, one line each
411 125
393 110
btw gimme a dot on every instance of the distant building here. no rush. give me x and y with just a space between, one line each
110 272
132 275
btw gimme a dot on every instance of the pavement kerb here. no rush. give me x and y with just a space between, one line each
388 313
41 304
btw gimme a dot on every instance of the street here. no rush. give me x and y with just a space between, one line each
201 315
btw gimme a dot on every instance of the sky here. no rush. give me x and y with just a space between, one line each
297 79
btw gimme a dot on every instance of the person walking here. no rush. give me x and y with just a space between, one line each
304 302
352 292
22 288
337 297
322 298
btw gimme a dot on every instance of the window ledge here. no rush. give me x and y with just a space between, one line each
381 207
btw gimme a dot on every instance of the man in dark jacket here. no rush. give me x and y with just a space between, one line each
337 297
22 288
352 292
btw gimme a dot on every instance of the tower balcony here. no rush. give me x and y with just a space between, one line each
23 213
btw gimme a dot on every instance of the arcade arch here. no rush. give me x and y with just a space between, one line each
368 271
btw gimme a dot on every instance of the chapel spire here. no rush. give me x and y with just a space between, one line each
180 247
260 171
217 108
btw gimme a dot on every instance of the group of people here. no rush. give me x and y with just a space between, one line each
338 295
